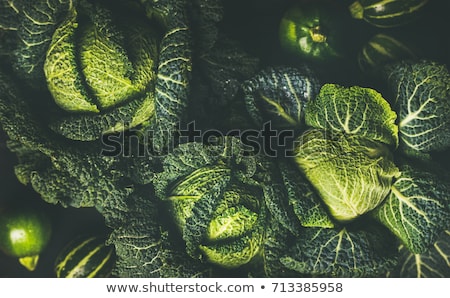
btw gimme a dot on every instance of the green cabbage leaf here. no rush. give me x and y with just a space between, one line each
352 174
434 263
353 111
420 96
342 253
415 210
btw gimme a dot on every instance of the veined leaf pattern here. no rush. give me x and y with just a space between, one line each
420 94
415 210
355 111
435 263
341 253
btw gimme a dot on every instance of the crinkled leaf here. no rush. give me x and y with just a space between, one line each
420 95
277 204
342 253
215 200
89 127
37 22
415 210
226 65
291 200
9 16
435 263
276 242
354 110
352 174
64 78
173 74
237 251
279 94
59 170
205 16
143 247
306 204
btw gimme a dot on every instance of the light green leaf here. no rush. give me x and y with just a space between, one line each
415 210
105 64
352 174
354 111
64 80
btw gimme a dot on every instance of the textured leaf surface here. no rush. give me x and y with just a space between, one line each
151 253
173 73
97 66
415 210
355 111
277 241
305 202
421 92
88 127
352 174
64 79
280 95
292 201
37 22
435 263
215 201
9 18
342 253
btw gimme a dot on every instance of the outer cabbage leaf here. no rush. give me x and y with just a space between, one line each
174 70
355 110
342 253
226 65
415 210
292 201
143 247
279 94
432 264
59 170
352 174
420 95
37 22
276 243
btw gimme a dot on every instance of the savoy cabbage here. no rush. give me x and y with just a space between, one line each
351 196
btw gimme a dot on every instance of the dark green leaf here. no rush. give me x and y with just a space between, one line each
342 253
280 94
435 263
420 95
